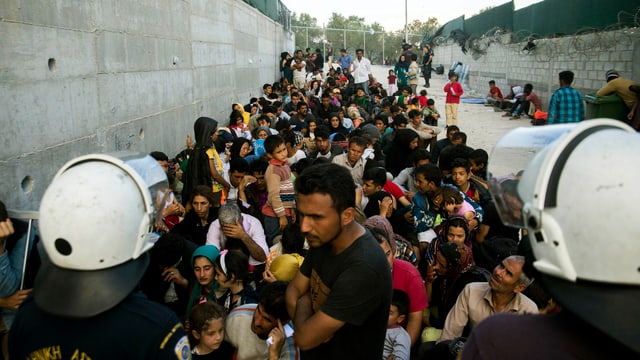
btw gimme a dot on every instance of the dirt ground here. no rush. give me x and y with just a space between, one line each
483 126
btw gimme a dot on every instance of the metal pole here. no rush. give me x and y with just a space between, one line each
30 216
324 42
364 42
307 38
344 38
406 39
383 58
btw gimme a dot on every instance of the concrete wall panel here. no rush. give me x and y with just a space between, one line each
127 75
69 14
42 114
39 53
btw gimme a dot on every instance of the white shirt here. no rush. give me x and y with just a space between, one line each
361 70
297 156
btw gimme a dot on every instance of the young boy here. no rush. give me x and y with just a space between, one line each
428 134
478 159
454 91
430 114
278 210
494 96
397 343
382 123
375 179
423 98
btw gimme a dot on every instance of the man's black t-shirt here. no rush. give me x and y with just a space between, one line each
355 287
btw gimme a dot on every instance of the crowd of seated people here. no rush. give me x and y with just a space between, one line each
230 228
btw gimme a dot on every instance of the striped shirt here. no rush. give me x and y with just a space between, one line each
281 198
566 106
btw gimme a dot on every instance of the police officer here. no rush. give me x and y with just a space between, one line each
96 220
576 200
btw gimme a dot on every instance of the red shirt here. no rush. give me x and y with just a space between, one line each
496 91
393 189
423 100
406 277
449 89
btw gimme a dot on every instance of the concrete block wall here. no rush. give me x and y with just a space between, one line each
78 77
588 56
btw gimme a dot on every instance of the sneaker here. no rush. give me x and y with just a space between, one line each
514 117
508 114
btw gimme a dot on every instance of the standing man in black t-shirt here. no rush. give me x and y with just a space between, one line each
340 298
96 222
427 59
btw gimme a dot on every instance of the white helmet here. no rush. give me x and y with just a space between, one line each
96 220
575 188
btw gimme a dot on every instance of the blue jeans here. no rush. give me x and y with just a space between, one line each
272 228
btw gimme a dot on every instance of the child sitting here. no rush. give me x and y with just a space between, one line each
454 203
423 98
232 274
207 332
397 343
478 159
430 114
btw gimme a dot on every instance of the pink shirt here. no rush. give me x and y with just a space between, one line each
466 207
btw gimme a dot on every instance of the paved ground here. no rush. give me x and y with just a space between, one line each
483 126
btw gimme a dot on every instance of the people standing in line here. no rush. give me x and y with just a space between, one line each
427 60
329 49
412 74
340 298
454 91
318 62
566 104
298 66
285 66
401 72
345 61
362 71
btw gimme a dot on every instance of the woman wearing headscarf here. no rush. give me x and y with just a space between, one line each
202 262
453 269
399 246
204 165
398 157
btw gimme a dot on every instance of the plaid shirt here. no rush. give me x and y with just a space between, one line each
566 106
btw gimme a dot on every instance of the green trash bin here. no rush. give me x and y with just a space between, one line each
610 106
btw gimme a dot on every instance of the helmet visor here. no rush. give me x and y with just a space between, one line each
510 157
